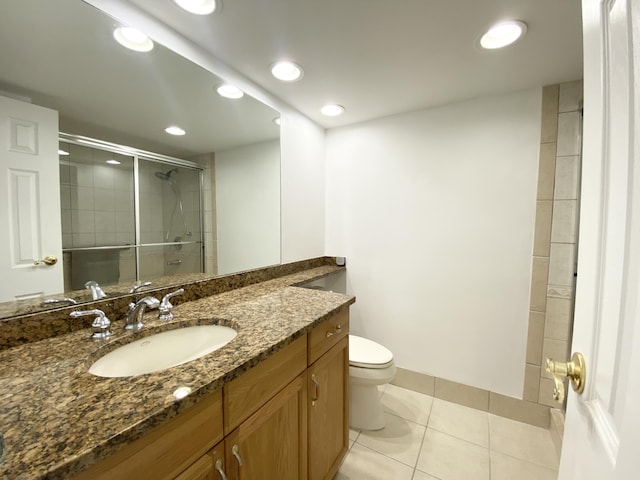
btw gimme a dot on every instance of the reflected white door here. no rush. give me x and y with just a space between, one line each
603 424
29 201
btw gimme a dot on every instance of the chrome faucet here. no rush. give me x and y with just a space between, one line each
135 288
100 324
96 291
133 320
166 306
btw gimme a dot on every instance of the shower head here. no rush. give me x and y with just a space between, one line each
167 175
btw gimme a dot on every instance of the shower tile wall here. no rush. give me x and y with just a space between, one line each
96 204
207 161
553 282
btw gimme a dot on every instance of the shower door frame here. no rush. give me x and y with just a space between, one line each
137 155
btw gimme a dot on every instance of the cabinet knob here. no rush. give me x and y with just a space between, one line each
335 331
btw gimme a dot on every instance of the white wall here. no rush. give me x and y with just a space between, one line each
434 211
248 207
302 189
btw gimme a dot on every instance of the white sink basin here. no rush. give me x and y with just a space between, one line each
162 350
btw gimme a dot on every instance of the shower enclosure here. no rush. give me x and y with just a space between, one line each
127 215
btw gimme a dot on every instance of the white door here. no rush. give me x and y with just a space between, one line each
602 427
29 201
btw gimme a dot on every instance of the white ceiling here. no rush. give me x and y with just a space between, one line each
381 57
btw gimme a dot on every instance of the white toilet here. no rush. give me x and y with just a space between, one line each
370 365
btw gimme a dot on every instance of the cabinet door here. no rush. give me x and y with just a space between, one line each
328 384
272 443
207 467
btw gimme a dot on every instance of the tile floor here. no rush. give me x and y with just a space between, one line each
431 439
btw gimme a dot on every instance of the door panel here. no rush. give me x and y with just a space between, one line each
29 200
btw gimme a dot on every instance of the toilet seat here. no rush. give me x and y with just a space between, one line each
365 353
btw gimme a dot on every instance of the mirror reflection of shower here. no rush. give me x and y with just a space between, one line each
166 176
129 215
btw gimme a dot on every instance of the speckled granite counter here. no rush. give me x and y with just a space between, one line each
57 418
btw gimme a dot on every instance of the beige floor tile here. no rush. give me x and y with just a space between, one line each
418 475
504 467
522 441
353 434
460 421
400 439
363 463
410 405
451 458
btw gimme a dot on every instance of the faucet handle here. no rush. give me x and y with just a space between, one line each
100 324
135 288
166 306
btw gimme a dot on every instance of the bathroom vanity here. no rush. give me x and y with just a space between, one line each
272 403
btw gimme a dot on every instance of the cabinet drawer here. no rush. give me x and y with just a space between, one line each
168 449
327 334
244 395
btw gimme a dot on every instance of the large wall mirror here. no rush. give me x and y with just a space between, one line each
136 203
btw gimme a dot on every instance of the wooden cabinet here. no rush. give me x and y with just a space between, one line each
328 385
271 443
208 467
286 418
167 450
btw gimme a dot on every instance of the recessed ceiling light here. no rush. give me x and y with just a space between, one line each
503 34
62 152
332 110
287 71
277 121
199 7
229 91
113 162
173 130
133 39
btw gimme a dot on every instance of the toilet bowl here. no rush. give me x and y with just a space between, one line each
370 365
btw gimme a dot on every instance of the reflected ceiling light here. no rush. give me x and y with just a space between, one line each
113 162
181 392
62 152
229 91
133 39
173 130
287 71
199 7
277 121
332 110
503 34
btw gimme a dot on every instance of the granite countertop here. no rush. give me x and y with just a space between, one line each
57 418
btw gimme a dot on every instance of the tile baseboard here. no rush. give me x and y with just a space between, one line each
513 408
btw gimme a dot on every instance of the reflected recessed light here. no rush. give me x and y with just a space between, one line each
199 7
173 130
113 162
133 39
277 121
332 110
62 152
287 71
503 34
229 91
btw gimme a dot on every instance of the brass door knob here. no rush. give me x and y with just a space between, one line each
49 260
575 370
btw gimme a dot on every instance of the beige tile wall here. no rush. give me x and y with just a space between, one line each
555 241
